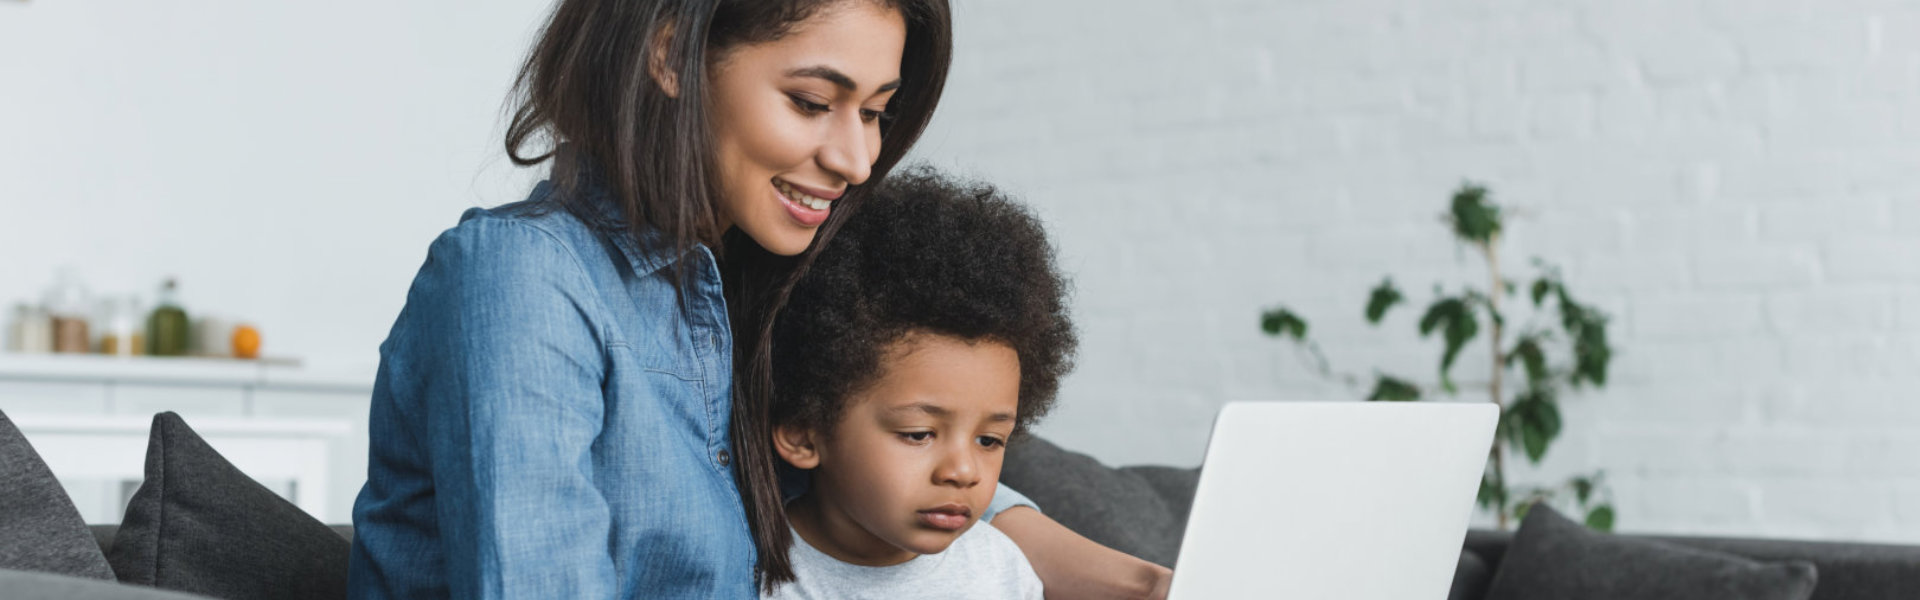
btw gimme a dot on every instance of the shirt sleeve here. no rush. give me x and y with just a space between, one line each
1004 498
512 407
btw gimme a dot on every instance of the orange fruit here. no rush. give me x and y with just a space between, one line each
246 342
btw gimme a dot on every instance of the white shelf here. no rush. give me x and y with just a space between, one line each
85 368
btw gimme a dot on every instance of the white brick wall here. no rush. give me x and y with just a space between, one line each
1738 183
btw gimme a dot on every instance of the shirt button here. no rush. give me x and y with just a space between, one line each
714 339
724 457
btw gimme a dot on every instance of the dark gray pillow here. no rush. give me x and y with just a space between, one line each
1140 511
199 525
40 530
1553 557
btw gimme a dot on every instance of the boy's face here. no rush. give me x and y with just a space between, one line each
915 457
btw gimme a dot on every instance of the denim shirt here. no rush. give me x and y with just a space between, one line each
549 422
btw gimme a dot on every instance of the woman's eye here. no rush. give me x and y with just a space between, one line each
807 106
870 115
917 436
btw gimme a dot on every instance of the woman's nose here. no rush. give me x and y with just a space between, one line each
850 148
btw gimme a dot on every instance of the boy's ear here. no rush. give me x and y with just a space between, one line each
795 445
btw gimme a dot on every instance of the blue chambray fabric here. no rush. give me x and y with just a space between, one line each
548 422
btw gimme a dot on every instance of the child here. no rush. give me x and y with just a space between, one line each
931 329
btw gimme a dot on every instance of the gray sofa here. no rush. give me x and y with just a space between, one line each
1142 510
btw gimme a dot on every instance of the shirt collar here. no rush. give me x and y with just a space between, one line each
646 251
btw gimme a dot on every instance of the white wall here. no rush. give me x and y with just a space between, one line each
289 162
1735 182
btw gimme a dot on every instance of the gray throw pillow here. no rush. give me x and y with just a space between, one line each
199 525
1553 557
40 530
1139 510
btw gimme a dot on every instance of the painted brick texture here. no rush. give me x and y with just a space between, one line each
1736 183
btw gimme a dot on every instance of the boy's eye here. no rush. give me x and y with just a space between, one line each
992 442
916 436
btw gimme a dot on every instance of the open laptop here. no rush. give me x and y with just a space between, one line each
1348 500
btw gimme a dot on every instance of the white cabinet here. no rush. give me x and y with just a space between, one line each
301 433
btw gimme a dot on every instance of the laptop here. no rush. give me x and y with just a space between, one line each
1347 500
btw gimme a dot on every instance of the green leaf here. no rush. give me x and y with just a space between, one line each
1536 421
1474 218
1582 489
1384 296
1520 512
1541 287
1460 330
1601 518
1454 317
1530 354
1492 494
1392 389
1280 322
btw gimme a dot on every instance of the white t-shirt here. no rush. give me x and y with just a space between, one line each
981 563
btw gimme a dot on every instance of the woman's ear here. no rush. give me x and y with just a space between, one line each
663 75
795 445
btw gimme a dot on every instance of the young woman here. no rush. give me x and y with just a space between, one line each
571 404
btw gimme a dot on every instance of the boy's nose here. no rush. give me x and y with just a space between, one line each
958 469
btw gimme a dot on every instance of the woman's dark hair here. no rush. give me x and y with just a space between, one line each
586 93
927 255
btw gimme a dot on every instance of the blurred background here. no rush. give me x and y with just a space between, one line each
1734 185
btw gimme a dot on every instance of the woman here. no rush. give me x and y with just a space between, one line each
571 404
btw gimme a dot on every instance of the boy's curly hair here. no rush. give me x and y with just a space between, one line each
927 254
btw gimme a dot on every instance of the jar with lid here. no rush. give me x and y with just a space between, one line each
167 326
32 330
67 304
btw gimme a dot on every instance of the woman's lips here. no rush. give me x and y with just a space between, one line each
948 517
805 215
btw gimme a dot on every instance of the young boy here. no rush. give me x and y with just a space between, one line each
931 329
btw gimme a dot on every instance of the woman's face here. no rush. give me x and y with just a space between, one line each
797 119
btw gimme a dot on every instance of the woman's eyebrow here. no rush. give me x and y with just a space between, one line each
837 78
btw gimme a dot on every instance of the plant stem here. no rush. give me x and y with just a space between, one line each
1499 364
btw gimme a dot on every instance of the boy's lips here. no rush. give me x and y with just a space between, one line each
947 517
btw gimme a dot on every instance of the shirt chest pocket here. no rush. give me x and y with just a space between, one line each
674 384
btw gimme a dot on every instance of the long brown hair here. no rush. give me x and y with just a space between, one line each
586 91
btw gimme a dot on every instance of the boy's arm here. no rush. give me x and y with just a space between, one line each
1076 568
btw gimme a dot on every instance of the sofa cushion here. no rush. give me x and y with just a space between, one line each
40 530
24 585
199 525
1470 577
1123 509
1553 557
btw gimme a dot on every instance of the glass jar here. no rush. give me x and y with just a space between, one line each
121 333
67 303
167 327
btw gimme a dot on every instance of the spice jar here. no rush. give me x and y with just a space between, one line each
121 333
32 330
67 304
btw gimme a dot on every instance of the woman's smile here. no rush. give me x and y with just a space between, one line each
808 206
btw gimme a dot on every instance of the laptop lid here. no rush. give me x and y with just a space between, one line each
1351 500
